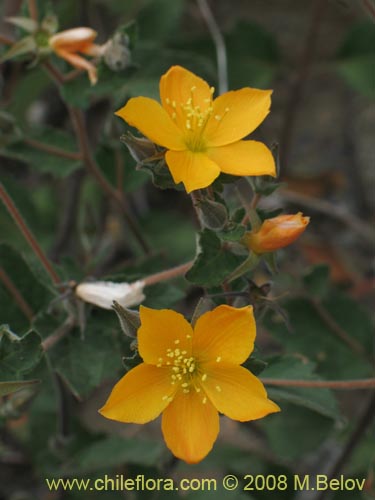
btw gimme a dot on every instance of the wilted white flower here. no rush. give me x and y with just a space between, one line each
103 293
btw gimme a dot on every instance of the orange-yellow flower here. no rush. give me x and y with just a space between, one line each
276 233
190 375
203 135
67 44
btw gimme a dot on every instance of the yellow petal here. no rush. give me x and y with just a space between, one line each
195 170
244 158
236 114
236 392
225 334
190 426
153 121
177 86
161 330
140 396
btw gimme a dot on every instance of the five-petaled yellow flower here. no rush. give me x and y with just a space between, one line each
203 135
190 375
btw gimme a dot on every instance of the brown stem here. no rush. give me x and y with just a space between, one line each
297 87
369 7
5 40
58 334
330 384
30 238
168 274
335 211
90 164
33 10
13 290
335 328
364 422
70 155
92 167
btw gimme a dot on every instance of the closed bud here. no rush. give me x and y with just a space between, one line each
141 149
104 293
276 233
212 214
129 320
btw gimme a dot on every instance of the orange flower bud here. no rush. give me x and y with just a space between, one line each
68 43
276 233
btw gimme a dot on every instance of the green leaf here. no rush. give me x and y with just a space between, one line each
157 20
212 214
213 263
14 386
296 431
25 23
314 338
162 295
33 292
113 452
320 400
23 46
253 56
42 161
356 58
132 178
18 356
316 280
84 362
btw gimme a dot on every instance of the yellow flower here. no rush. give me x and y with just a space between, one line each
68 43
202 134
190 375
276 233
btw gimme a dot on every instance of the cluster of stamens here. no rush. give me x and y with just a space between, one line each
184 371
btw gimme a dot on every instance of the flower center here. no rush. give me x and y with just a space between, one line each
186 374
193 118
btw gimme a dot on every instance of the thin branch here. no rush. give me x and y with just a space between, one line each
218 39
337 212
335 328
369 7
18 298
93 168
297 87
52 150
363 424
30 238
329 384
168 274
59 333
33 10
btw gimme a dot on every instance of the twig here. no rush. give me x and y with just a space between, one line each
335 328
168 274
218 39
363 424
58 334
369 7
90 164
30 238
92 167
335 211
67 223
329 384
18 298
5 40
52 150
297 87
33 10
